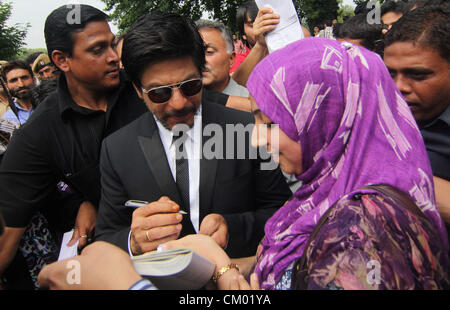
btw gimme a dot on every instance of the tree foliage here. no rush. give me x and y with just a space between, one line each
125 12
316 12
25 52
11 38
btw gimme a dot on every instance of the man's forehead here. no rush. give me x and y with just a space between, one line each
169 71
94 31
47 67
410 53
17 72
208 33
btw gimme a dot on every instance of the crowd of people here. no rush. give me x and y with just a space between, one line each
356 116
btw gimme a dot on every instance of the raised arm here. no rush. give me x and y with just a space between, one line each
265 21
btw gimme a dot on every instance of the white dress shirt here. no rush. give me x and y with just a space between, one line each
193 145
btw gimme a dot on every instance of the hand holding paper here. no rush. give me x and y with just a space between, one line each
288 30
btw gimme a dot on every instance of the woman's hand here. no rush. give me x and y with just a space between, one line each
207 247
203 245
240 283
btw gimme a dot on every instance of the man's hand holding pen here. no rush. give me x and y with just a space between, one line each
153 224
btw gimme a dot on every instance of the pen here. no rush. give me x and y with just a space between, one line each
141 203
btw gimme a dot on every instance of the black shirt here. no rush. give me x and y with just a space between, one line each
61 141
436 136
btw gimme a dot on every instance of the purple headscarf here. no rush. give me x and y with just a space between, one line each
355 129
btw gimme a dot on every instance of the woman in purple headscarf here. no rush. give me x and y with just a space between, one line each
342 127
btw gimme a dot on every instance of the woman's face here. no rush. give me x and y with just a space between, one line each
284 150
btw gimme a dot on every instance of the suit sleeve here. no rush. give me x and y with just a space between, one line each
270 191
113 221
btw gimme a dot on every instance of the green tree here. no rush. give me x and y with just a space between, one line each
345 11
25 52
316 12
125 12
11 38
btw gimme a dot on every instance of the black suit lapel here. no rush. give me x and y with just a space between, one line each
208 167
154 154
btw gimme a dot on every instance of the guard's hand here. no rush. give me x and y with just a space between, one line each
84 225
157 222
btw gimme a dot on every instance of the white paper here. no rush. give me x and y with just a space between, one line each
66 251
288 30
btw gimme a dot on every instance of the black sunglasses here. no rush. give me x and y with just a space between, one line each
162 94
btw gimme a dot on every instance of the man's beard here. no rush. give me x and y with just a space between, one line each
22 95
179 113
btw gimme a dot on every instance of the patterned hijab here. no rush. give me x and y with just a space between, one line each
355 129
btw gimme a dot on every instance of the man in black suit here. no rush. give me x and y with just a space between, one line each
225 196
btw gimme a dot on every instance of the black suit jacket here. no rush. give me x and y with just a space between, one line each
133 165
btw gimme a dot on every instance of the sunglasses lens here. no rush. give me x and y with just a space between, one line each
160 95
163 94
191 88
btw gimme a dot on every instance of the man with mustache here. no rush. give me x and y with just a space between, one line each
223 195
19 80
220 56
417 56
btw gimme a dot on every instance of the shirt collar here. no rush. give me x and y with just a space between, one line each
68 105
16 103
444 117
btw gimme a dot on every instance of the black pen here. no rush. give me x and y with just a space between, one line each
141 203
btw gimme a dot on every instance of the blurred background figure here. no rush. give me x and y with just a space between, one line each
392 11
358 31
43 68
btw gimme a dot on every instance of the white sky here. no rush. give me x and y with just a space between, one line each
36 11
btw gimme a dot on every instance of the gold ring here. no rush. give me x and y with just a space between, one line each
146 235
83 236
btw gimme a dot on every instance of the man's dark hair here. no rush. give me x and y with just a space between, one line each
361 8
66 20
219 26
394 6
247 8
358 28
15 64
158 36
32 57
426 26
